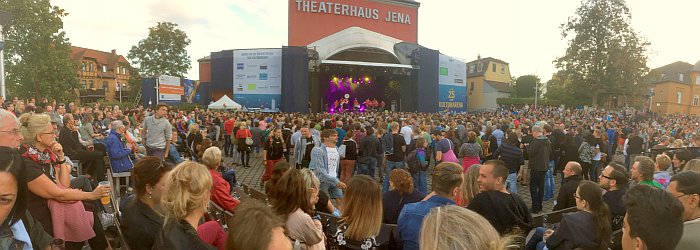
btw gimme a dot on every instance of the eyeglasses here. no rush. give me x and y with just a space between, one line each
606 177
682 195
14 132
577 197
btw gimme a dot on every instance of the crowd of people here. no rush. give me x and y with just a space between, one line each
371 170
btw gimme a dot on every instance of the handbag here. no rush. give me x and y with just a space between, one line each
450 155
248 140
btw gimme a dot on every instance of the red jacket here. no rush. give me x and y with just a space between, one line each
220 192
228 127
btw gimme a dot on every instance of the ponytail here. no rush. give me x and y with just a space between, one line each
603 227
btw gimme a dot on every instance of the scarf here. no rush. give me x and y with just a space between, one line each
45 158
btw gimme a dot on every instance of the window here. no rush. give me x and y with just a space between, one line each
123 71
503 68
105 85
117 71
493 69
471 68
663 75
697 80
82 67
83 84
104 69
92 84
696 100
472 87
92 67
679 97
480 67
680 77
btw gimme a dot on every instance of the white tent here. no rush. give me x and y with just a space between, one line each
225 103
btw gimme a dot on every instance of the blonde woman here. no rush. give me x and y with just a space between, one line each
692 165
290 199
47 176
320 200
469 187
444 229
185 200
360 226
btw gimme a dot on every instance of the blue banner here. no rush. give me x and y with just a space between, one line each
452 98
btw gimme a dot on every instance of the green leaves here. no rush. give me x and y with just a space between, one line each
162 52
37 53
525 86
605 54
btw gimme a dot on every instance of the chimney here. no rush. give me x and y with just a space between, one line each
114 52
478 57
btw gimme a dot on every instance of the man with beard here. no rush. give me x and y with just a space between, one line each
614 180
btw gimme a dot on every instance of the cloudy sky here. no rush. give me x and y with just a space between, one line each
524 33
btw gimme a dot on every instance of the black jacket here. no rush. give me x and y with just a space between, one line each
179 235
539 151
512 211
565 198
140 225
69 140
576 230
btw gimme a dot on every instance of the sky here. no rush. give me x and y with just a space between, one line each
526 34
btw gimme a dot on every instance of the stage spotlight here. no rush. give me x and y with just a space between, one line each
335 79
366 79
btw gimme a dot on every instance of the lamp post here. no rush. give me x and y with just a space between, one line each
5 18
121 88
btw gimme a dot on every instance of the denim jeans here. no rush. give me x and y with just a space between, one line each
228 147
230 176
549 181
537 240
173 155
420 182
512 183
391 165
366 166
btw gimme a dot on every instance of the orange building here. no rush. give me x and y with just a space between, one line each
676 89
102 75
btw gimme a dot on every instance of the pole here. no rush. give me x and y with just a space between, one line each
2 67
536 89
120 92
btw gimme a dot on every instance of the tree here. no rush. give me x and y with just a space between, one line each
37 53
162 52
525 86
604 54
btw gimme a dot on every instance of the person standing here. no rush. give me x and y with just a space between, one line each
303 147
325 161
228 131
273 152
347 164
510 153
394 158
243 148
157 132
539 151
367 160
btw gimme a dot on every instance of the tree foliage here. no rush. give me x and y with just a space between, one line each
162 52
525 86
37 52
604 54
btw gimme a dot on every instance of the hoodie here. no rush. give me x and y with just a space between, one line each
512 211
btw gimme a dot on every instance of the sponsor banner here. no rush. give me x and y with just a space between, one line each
169 88
257 72
191 89
452 81
265 101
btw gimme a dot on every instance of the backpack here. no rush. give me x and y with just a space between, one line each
485 147
415 164
388 143
585 152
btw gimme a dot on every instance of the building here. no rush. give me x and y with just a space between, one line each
675 89
487 80
103 76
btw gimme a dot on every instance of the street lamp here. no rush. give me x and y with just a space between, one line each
5 18
121 88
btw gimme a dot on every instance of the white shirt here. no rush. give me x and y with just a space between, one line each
407 132
333 161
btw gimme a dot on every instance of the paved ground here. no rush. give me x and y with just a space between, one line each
251 177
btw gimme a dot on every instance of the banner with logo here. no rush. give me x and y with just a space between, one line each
452 84
170 89
257 78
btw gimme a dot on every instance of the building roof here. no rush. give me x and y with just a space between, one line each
481 72
500 86
671 73
103 58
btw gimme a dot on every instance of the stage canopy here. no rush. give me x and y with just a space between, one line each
225 103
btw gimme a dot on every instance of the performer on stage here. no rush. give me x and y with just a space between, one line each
356 104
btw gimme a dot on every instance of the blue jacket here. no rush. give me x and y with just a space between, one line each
319 164
118 153
411 219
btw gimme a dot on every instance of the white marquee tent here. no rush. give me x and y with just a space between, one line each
225 103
